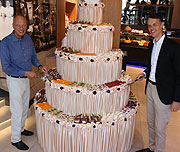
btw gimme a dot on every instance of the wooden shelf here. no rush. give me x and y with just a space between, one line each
153 5
71 9
133 46
64 6
72 1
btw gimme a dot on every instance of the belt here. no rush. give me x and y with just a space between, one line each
16 76
153 83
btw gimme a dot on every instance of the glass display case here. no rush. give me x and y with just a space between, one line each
135 43
137 14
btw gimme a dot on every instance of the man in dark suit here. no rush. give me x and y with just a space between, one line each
162 83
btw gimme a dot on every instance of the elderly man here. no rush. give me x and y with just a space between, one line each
17 57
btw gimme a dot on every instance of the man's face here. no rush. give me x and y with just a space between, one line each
155 27
20 26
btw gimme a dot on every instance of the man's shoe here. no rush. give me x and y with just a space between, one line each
145 150
20 145
27 133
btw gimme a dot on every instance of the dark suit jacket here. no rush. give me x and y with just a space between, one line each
167 71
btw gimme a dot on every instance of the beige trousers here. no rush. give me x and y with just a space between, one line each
19 92
158 116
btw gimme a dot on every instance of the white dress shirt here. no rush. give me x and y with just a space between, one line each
154 57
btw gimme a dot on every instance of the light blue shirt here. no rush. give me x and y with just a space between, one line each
17 56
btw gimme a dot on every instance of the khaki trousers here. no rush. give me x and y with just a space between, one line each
158 116
19 92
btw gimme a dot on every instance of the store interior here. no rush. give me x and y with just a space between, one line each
130 35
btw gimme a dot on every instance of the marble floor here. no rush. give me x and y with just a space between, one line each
140 136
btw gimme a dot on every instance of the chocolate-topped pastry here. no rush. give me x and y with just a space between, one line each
40 97
71 118
84 26
65 50
64 47
77 118
61 116
95 119
84 119
70 50
42 91
91 118
90 87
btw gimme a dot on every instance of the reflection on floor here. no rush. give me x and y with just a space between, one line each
140 136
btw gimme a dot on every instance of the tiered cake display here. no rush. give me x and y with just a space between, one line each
86 107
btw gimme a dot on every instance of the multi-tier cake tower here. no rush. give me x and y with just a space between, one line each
86 107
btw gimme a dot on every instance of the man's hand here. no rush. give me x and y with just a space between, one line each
175 106
30 74
140 77
43 69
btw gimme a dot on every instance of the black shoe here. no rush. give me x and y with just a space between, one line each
145 150
27 133
20 145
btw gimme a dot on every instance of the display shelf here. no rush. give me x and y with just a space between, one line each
137 14
153 5
136 53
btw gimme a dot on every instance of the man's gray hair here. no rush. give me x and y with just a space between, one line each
18 15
